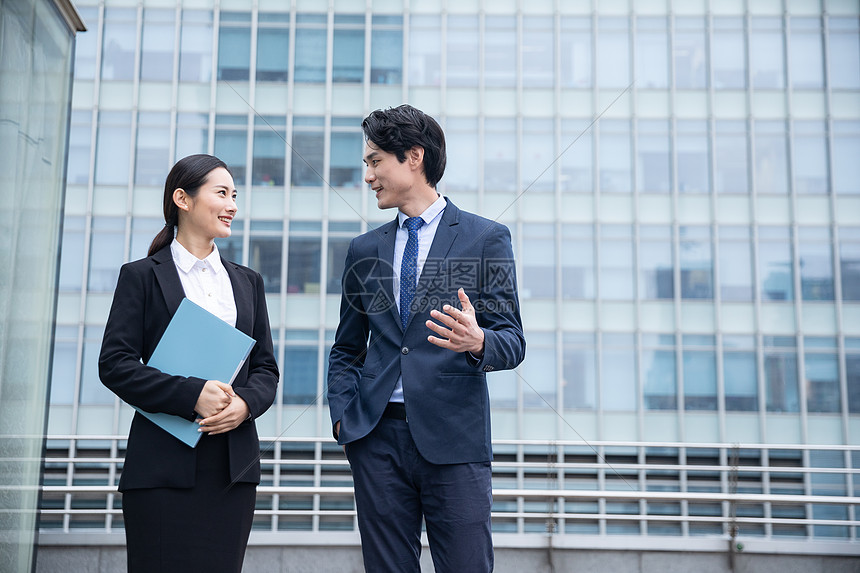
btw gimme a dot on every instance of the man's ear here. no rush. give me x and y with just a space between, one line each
415 156
180 198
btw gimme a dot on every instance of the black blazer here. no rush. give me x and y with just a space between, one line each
147 295
446 395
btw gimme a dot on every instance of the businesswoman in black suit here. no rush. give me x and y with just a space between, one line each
188 509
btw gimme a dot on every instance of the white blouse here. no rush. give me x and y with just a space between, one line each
206 282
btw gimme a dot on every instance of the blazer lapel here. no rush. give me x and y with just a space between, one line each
168 279
446 233
384 270
243 296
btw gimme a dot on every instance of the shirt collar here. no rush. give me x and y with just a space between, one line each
429 213
186 261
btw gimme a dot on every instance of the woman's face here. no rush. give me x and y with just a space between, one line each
210 213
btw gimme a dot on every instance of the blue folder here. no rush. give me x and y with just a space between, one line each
197 343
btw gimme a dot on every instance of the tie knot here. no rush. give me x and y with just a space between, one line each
413 223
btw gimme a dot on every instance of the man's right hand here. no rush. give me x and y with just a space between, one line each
214 397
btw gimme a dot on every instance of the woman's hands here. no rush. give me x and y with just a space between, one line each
221 409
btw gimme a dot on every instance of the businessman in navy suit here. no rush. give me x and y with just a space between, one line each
429 306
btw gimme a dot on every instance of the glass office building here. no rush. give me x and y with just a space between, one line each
682 183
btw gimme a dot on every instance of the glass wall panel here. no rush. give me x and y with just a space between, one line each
425 50
143 231
461 140
538 260
614 156
264 252
579 371
119 43
500 51
852 373
386 49
92 391
538 372
690 53
736 275
806 57
849 262
114 133
821 378
740 379
816 263
659 381
843 54
775 271
192 134
307 152
731 164
303 258
780 372
273 47
86 44
538 52
339 236
697 268
231 140
576 52
700 373
348 48
152 153
72 255
301 352
728 53
771 157
310 48
846 150
617 276
537 155
500 154
80 146
107 253
652 53
613 52
64 365
767 53
234 46
577 156
810 169
269 167
159 41
618 372
462 50
347 144
653 163
231 247
692 156
195 49
656 276
577 261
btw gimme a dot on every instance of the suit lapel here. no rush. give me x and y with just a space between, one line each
384 271
168 279
243 296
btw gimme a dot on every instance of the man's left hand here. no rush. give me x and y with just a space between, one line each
459 328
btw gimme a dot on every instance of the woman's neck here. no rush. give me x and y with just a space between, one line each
198 246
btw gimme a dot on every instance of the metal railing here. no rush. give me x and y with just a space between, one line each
561 489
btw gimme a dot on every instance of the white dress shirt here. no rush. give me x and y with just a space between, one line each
432 215
206 282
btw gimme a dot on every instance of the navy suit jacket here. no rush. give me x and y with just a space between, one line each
147 295
445 393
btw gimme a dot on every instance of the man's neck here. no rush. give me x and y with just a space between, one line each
420 202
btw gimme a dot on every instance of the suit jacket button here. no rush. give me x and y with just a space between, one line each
404 350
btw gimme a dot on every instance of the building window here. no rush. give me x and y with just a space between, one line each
461 140
538 53
119 43
65 365
613 52
731 152
500 154
538 280
231 141
386 49
771 157
806 56
697 269
577 261
816 263
307 152
303 258
339 236
652 53
159 33
347 145
195 50
821 377
269 151
310 48
843 55
618 372
728 53
700 372
80 146
462 50
114 133
849 262
740 373
656 276
852 374
617 276
152 156
736 275
579 371
653 164
107 253
577 156
614 157
537 155
767 59
659 382
273 47
92 391
538 373
576 52
72 256
500 51
809 160
780 373
425 50
846 150
301 354
692 156
690 53
192 134
775 270
234 46
348 49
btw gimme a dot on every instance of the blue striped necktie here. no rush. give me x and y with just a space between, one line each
409 268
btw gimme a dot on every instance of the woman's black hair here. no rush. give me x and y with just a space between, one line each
189 174
399 129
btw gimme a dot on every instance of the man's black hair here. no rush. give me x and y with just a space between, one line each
399 129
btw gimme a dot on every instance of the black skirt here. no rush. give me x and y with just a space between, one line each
204 528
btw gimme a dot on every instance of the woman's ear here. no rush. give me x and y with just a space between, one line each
180 198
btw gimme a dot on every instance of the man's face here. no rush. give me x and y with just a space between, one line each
391 180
